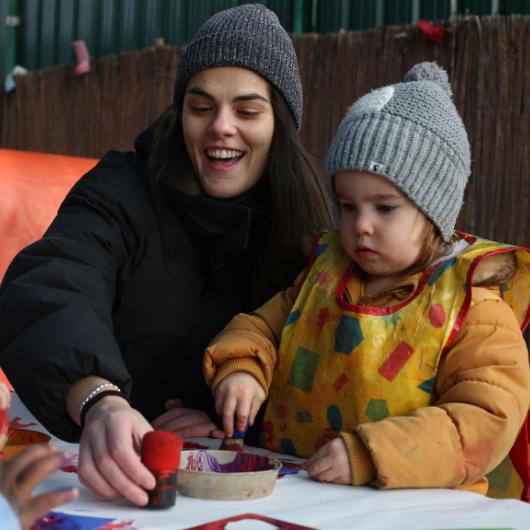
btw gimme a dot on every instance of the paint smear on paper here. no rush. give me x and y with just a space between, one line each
16 423
66 521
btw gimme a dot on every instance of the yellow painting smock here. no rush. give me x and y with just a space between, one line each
341 364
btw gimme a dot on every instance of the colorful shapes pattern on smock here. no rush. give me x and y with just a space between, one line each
341 365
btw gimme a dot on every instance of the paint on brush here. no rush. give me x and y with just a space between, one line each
236 441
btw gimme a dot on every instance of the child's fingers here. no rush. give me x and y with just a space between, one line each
243 413
316 465
13 469
35 472
40 505
229 409
254 408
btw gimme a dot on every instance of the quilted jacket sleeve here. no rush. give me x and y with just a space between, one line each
481 400
56 299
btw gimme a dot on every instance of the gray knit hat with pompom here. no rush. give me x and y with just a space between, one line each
252 37
411 134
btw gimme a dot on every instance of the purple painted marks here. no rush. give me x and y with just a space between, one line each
243 462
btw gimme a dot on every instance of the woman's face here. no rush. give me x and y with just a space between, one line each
228 123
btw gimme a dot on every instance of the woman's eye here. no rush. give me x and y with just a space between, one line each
347 206
248 113
386 208
200 108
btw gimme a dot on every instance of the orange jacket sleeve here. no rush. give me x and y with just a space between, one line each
481 399
249 343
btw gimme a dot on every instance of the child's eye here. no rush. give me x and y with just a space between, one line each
386 208
347 206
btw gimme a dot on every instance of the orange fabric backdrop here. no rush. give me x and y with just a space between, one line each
32 186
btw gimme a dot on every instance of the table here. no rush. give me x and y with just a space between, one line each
297 499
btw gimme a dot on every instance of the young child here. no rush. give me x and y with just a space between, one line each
398 357
19 509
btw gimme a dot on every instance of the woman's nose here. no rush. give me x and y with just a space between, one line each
223 123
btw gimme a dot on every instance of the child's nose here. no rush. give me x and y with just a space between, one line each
363 224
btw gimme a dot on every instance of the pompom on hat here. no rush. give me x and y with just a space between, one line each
411 134
249 36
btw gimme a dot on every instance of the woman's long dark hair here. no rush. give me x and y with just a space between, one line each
292 187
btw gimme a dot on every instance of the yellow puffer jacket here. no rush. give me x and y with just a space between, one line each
481 390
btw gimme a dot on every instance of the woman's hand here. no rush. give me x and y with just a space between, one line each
238 393
188 423
330 463
109 453
23 473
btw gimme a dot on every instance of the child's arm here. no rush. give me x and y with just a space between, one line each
249 343
481 399
239 362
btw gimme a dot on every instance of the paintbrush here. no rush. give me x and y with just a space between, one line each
236 441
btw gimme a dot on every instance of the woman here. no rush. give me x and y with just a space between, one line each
152 253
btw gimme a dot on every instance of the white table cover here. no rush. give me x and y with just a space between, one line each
297 499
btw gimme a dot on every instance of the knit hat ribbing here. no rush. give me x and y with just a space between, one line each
249 36
411 134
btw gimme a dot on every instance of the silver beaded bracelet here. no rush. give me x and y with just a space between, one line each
93 393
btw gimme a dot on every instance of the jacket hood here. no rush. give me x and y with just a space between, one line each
495 269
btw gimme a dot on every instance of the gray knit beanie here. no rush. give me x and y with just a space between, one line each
249 36
412 134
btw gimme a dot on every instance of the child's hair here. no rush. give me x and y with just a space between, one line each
432 246
411 134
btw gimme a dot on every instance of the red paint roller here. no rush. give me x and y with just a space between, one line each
161 455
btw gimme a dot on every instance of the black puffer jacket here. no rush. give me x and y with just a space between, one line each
124 290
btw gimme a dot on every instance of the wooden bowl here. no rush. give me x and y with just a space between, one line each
231 485
17 439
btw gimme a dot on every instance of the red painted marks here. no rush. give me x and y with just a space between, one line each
437 316
268 432
16 423
340 382
282 412
193 445
396 360
323 317
322 277
4 421
327 436
70 469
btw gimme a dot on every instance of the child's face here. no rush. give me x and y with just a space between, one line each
381 229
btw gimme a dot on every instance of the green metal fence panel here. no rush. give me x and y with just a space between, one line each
435 9
48 27
521 7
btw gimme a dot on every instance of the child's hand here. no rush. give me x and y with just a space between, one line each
238 393
23 473
330 463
